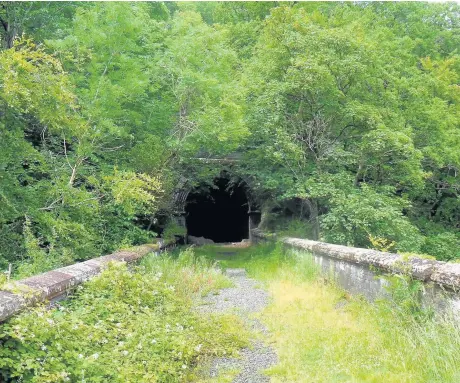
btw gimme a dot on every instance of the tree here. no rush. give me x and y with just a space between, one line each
331 90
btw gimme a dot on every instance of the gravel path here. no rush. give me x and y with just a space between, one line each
244 299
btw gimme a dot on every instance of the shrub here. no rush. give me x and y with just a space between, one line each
357 216
444 246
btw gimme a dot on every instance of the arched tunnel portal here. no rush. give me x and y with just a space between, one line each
222 212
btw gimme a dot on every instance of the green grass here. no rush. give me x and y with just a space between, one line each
324 335
139 325
225 375
134 324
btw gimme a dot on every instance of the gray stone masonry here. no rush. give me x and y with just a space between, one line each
57 283
359 270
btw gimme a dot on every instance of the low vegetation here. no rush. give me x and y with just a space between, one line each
139 325
124 326
324 335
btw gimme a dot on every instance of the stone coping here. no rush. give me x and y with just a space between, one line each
55 283
443 273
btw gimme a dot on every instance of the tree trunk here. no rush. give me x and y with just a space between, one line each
313 208
9 24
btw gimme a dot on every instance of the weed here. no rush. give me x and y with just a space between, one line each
320 339
124 325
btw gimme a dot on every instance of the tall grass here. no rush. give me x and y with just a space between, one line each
190 274
324 335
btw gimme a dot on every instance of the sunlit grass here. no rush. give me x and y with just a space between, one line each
190 274
323 335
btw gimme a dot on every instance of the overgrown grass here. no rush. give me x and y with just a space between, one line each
191 275
324 335
126 325
139 325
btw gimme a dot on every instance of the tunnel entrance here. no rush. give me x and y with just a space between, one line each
219 213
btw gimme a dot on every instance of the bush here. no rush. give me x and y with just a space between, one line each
357 217
444 246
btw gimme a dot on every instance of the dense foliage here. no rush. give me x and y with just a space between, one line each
346 117
124 326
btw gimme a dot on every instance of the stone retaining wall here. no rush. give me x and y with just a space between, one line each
57 283
359 270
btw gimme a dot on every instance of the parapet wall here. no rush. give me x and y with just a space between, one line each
359 270
54 284
356 270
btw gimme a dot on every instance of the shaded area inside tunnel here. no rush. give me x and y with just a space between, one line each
219 213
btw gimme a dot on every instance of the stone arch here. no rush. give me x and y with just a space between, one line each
225 183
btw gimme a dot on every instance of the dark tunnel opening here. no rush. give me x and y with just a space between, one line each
219 213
